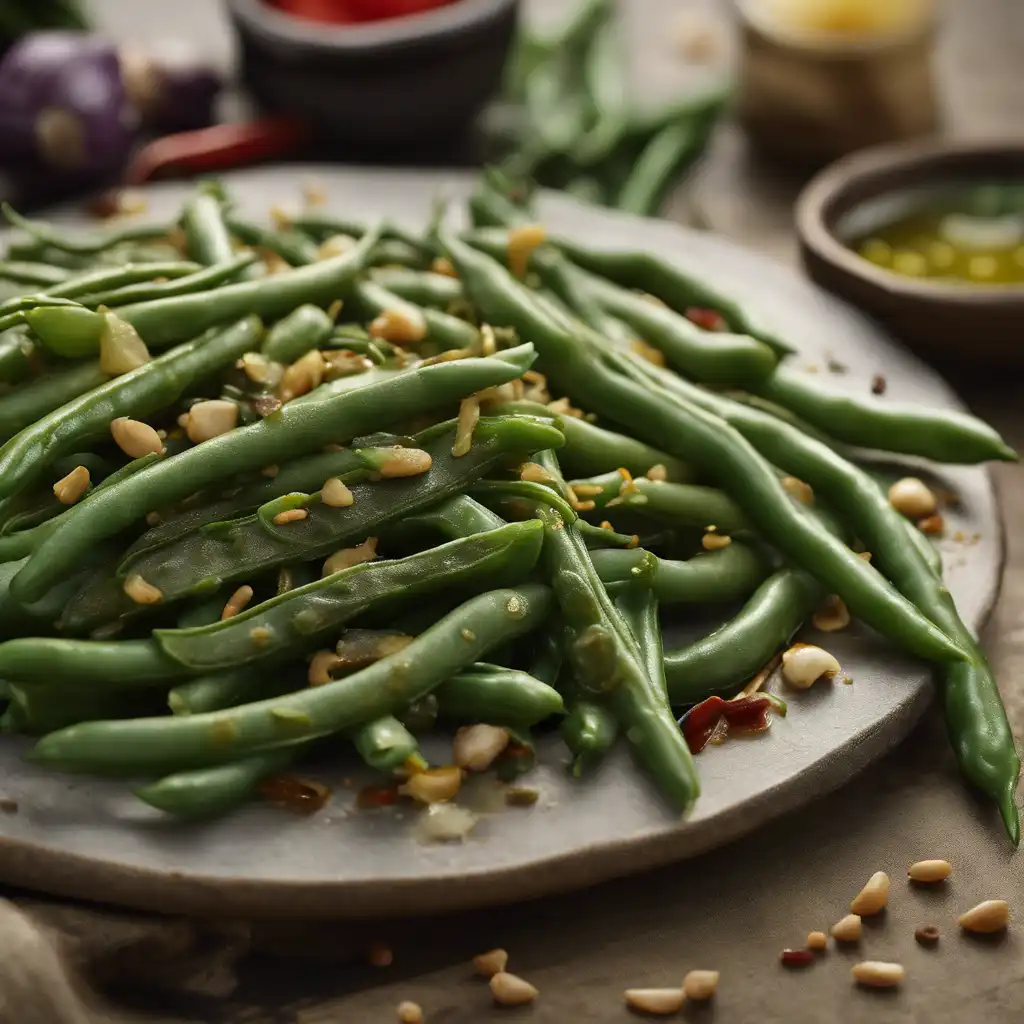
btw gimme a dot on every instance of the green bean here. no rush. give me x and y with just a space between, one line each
85 243
72 332
497 695
941 434
392 252
93 282
722 662
305 328
457 516
601 378
41 274
322 226
151 288
300 619
292 246
638 605
163 322
34 618
31 402
297 429
86 418
241 549
421 287
156 744
665 157
230 687
209 792
18 355
648 272
604 72
589 731
42 710
206 235
711 577
385 744
110 665
439 329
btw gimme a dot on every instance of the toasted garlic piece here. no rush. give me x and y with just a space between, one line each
121 348
848 929
803 665
302 376
142 592
521 243
715 541
510 990
930 871
135 438
878 974
911 497
796 488
493 962
469 415
320 666
831 615
335 493
336 245
236 602
817 941
70 488
443 266
476 747
433 786
700 984
403 326
987 917
207 420
656 1001
873 897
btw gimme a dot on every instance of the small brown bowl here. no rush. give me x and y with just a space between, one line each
953 322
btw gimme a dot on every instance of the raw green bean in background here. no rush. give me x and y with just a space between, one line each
106 279
297 429
86 417
83 243
206 236
191 741
292 246
150 288
305 328
604 76
41 274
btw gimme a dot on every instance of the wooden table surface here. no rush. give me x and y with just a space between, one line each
735 909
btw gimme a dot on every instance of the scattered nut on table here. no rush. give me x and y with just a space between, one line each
878 974
848 929
493 962
656 1001
873 897
511 990
700 985
930 871
987 917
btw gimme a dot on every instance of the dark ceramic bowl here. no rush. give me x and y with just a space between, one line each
953 322
401 83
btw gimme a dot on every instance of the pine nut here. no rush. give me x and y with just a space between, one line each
236 602
336 245
657 472
803 665
443 266
290 515
878 974
510 990
492 962
985 918
797 489
142 592
832 615
399 326
848 929
410 1013
930 871
715 541
469 415
405 462
645 351
135 438
70 488
657 1001
302 376
521 243
700 985
320 666
207 420
335 493
817 941
476 747
434 786
347 557
912 498
873 897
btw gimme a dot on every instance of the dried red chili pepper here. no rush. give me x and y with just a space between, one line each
748 714
302 795
796 958
707 319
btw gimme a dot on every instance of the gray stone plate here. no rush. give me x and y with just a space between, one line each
89 838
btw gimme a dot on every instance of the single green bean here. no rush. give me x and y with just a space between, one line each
41 274
85 243
18 355
297 429
305 328
31 402
206 235
589 731
422 287
94 282
497 695
384 688
230 687
384 743
292 246
111 665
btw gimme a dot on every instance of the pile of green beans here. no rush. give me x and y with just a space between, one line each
567 121
231 529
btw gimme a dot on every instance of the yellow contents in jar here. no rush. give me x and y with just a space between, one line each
955 247
847 17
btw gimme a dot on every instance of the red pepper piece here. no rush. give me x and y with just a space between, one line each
377 796
751 714
707 319
700 721
796 958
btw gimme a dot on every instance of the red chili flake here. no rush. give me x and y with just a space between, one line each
796 957
700 721
750 714
703 724
377 796
927 935
707 319
302 795
878 384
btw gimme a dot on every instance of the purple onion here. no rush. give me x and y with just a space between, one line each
64 105
171 87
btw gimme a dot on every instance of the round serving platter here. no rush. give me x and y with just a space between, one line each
89 838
